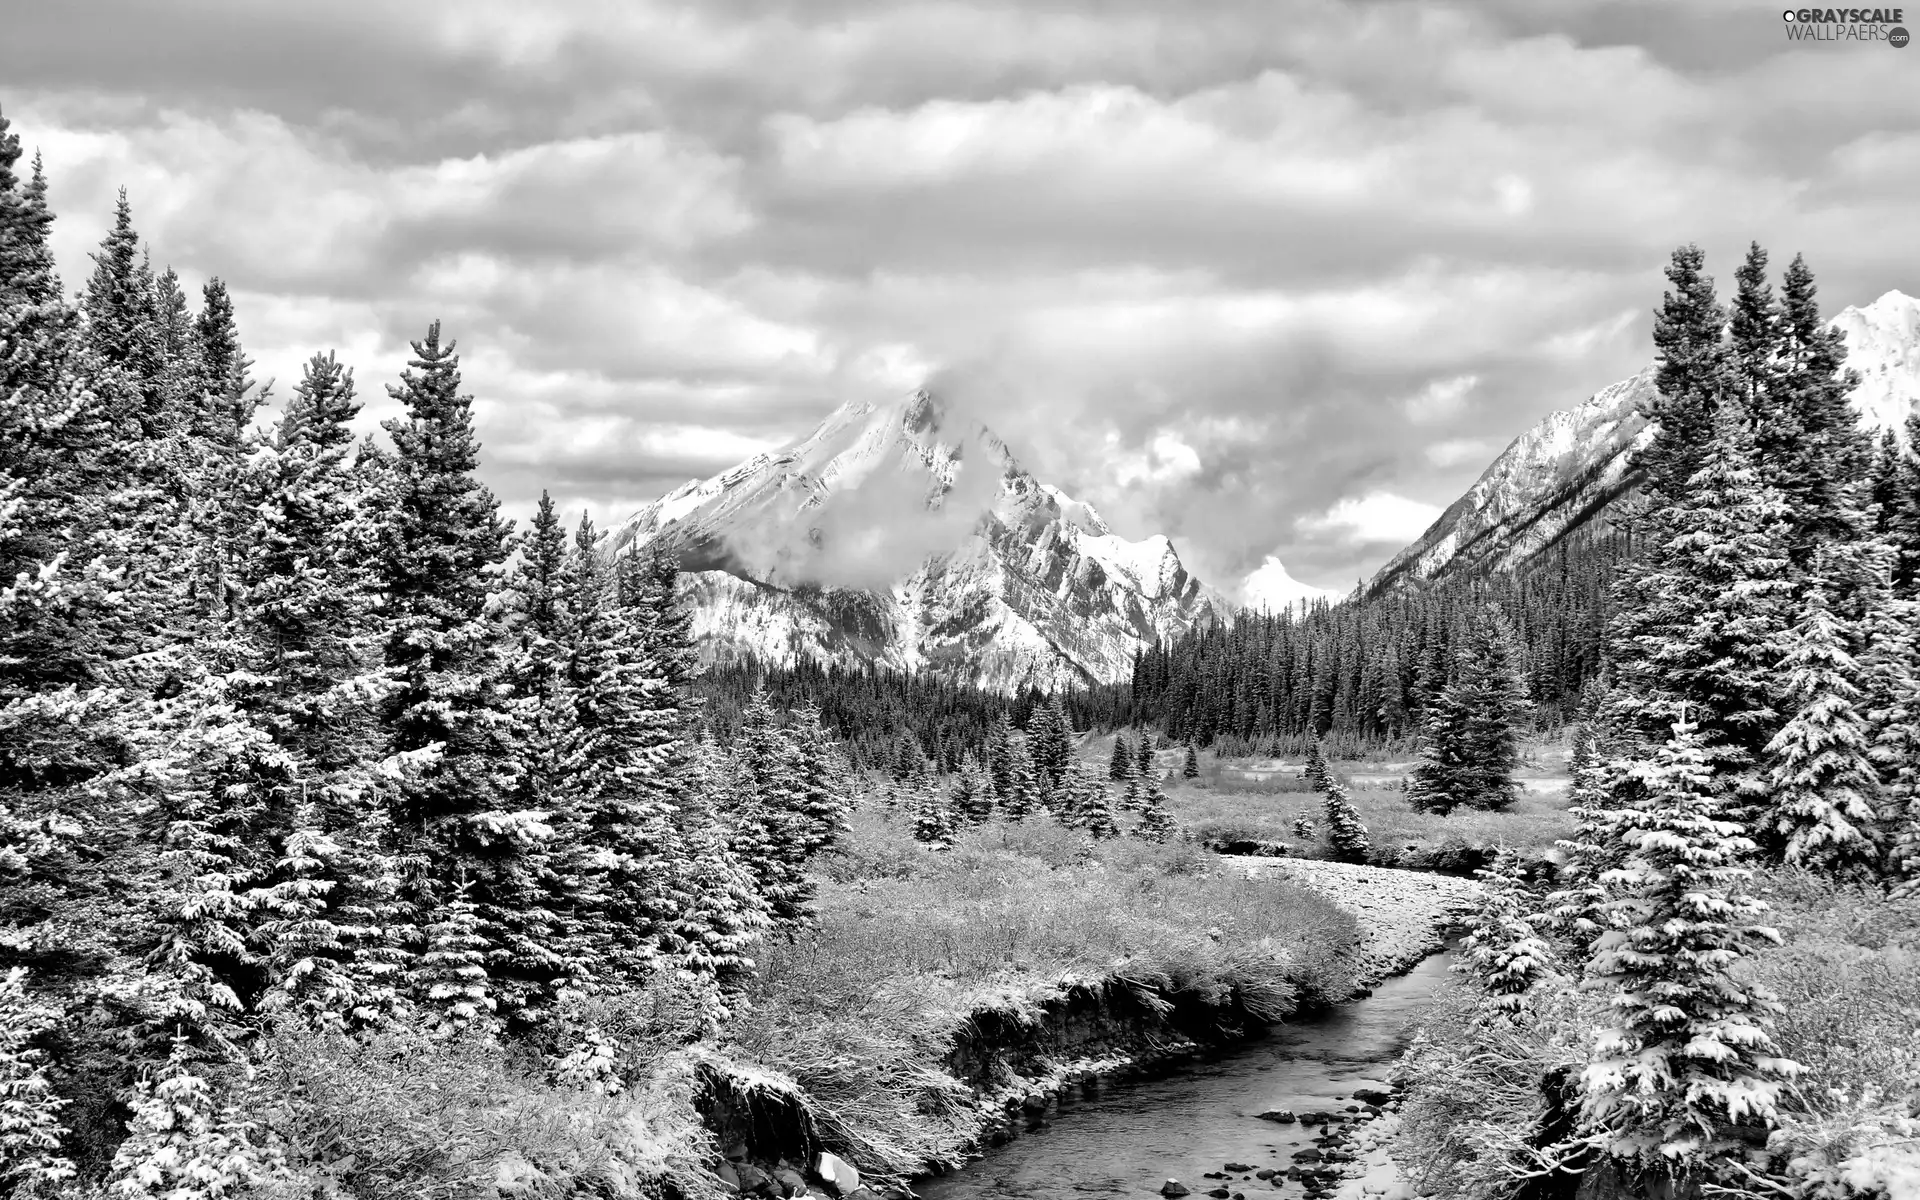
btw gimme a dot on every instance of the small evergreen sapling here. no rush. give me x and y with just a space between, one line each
933 820
1503 951
30 1128
1156 820
1346 836
969 797
1018 801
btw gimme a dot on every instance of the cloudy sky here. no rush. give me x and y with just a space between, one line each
1271 277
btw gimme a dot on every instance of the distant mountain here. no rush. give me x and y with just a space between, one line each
901 536
1569 469
1269 587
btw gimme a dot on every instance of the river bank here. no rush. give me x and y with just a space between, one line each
1023 1061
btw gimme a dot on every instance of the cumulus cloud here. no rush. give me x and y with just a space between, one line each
1207 268
1376 517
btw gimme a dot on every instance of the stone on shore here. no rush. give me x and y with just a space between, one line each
838 1172
1173 1187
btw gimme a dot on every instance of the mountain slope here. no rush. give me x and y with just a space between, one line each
1566 471
898 536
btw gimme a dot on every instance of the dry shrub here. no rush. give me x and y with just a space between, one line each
406 1114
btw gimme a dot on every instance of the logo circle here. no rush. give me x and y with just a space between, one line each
1897 36
1787 15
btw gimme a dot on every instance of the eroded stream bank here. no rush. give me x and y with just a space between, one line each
1195 1118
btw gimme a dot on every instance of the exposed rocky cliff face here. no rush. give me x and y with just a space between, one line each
1568 470
901 536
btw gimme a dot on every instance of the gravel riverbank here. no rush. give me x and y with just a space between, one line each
1406 914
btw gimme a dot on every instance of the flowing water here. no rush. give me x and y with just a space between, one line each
1131 1137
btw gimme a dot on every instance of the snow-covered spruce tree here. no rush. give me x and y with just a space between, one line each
1829 451
184 1142
1156 819
1900 514
1304 828
822 815
1892 684
1000 751
775 799
1688 1056
310 608
1691 379
1081 802
1503 951
970 797
1446 776
1190 765
1120 764
1019 800
1050 743
933 819
440 558
31 1132
618 766
1148 762
1699 617
1471 743
708 909
1346 836
450 977
1823 783
1133 791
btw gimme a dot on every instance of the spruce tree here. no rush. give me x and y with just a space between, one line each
27 273
1190 768
1316 769
1120 765
1691 377
1020 799
450 977
821 818
969 797
441 550
122 328
1688 1055
230 399
1156 819
1503 951
933 818
1148 765
1829 453
1892 686
1698 618
1347 837
31 1132
775 800
1823 783
1000 755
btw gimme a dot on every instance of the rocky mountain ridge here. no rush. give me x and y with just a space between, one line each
904 536
1568 470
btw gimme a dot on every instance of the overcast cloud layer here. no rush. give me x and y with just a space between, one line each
1272 278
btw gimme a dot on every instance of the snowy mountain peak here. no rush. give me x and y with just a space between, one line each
908 535
1269 587
1568 469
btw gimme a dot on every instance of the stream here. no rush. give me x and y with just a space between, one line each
1129 1138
